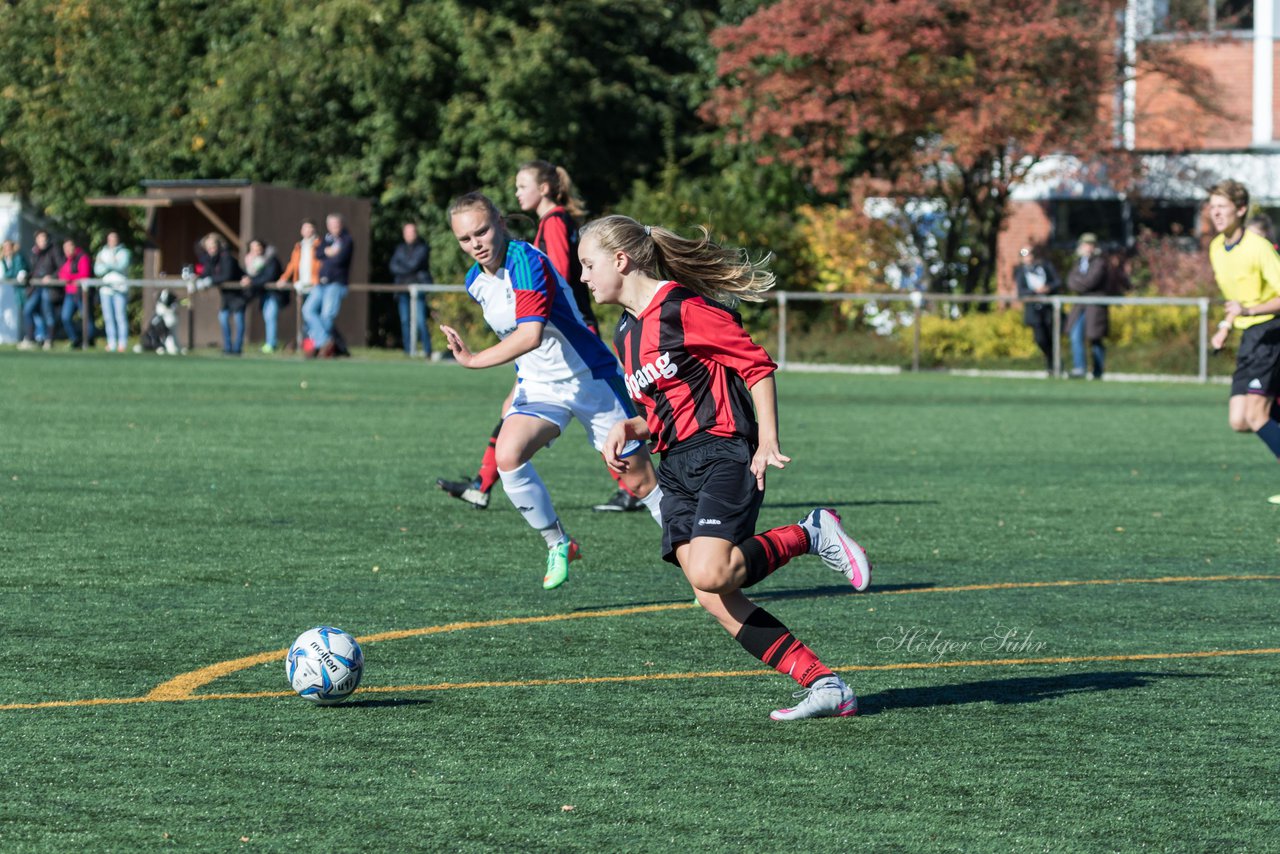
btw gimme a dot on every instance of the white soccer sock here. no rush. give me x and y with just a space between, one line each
529 495
811 529
554 534
653 501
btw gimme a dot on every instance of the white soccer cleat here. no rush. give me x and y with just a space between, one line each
829 697
837 549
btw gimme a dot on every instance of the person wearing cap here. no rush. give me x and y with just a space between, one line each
1036 277
1247 270
1088 278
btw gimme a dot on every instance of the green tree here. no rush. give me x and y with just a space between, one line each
408 103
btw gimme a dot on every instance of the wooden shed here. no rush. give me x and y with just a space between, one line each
179 213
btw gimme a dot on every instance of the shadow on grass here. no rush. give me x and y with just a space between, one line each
805 593
375 704
838 590
1023 689
866 502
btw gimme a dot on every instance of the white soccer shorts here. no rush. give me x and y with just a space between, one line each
598 404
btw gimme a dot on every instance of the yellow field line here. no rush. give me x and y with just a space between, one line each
183 686
180 686
653 677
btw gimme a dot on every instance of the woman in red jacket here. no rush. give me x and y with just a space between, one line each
74 268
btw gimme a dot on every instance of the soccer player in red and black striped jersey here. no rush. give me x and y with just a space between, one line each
710 408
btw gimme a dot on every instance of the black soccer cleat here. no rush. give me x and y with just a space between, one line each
621 502
465 490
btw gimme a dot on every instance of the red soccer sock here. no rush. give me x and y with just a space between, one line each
488 474
771 642
617 478
767 552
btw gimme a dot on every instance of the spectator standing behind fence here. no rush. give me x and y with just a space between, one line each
411 265
1036 277
261 271
1247 271
221 270
43 292
323 304
1118 281
111 265
1262 226
303 268
1088 278
13 270
75 268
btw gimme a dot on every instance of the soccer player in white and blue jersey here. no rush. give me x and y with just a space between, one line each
563 370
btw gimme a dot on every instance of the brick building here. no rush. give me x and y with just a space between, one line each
1182 148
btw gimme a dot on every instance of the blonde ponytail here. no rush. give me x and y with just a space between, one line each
712 271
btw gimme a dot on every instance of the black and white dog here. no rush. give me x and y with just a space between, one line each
161 334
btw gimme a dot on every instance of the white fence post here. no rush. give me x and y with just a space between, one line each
1056 302
413 320
1204 339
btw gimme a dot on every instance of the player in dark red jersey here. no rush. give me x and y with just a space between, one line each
710 408
547 191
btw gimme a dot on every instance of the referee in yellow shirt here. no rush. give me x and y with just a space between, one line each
1247 269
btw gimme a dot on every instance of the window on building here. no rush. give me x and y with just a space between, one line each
1166 218
1202 16
1103 217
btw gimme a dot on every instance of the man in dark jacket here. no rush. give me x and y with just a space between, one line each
1088 278
322 305
411 265
46 291
1036 277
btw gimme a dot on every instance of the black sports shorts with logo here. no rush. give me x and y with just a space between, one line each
708 490
1258 360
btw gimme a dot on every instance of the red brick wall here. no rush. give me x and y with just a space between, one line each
1167 119
1028 225
1275 90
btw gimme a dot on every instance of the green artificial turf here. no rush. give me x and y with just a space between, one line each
163 515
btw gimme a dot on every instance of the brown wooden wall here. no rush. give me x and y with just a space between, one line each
273 214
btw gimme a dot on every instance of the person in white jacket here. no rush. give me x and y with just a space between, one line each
112 266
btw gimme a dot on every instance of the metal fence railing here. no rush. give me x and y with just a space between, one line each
916 305
188 287
919 303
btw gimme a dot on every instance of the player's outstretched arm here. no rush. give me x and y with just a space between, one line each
764 394
527 337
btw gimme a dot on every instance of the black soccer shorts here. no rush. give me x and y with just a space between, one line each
708 490
1258 360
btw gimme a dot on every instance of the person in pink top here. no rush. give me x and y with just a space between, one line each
75 268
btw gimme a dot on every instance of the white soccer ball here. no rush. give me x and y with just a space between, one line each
325 665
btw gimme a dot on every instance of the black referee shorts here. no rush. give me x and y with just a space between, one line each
708 490
1258 360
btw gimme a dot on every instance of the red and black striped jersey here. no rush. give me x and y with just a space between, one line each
689 363
557 237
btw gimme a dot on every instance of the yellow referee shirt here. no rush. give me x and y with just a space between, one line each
1248 273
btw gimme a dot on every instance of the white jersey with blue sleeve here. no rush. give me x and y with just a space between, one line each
528 288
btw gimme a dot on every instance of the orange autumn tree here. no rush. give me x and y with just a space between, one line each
949 100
